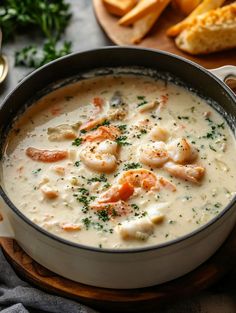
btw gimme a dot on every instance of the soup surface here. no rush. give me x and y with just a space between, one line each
120 161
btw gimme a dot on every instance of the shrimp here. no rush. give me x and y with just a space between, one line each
46 155
107 146
158 153
162 103
165 183
139 178
154 155
191 172
98 161
180 151
102 133
159 133
148 106
145 179
92 123
114 209
116 193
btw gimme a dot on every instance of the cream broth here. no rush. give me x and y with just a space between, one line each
120 162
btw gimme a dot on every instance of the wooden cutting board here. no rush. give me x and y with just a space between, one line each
157 38
134 300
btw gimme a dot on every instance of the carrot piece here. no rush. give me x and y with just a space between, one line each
98 102
126 190
46 155
92 123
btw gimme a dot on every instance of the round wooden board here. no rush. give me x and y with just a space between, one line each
135 300
157 38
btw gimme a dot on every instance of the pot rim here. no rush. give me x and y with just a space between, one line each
110 250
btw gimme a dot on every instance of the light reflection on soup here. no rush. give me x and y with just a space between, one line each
120 162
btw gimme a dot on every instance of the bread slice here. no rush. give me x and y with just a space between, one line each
143 8
143 26
203 7
119 7
210 32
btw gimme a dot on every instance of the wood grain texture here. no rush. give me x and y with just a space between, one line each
110 300
157 38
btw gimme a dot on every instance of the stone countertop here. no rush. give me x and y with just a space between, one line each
83 31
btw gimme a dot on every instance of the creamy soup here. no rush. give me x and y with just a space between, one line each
120 161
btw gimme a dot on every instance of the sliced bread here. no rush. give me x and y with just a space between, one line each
210 32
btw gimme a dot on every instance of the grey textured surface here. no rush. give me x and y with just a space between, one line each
83 31
16 296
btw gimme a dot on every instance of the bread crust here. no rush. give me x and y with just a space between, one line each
210 32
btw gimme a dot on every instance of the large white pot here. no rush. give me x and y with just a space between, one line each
119 268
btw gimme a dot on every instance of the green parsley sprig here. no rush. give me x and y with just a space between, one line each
49 18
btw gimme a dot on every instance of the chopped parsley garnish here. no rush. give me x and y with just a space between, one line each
130 166
222 125
87 222
103 215
84 198
210 135
214 131
77 163
105 123
77 142
143 101
143 214
135 206
35 172
142 132
121 140
101 178
122 128
107 185
114 213
98 226
83 191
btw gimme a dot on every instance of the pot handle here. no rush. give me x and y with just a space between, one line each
227 74
5 226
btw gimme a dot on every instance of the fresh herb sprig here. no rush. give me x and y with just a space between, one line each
30 56
50 18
